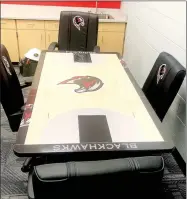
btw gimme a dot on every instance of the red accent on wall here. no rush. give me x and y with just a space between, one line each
90 4
109 4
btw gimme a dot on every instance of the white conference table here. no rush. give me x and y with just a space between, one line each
86 106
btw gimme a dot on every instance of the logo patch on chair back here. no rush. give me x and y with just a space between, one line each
6 64
161 72
78 22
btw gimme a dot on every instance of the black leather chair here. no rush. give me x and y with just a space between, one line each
133 177
163 83
77 32
11 94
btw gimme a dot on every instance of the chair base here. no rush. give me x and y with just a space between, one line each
30 188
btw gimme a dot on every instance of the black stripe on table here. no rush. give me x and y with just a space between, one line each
82 57
94 128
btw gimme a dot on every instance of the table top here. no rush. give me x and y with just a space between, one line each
83 102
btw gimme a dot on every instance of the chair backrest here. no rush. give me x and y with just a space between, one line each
163 83
11 94
77 31
112 177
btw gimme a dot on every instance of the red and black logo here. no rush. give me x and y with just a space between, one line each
161 72
86 83
78 22
27 115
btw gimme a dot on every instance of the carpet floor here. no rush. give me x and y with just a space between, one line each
14 182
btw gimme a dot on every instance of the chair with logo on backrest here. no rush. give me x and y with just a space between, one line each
163 83
77 32
11 94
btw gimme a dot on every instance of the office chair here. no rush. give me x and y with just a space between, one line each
97 179
11 94
12 97
77 32
163 83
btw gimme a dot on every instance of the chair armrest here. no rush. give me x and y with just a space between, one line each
26 81
14 120
96 49
27 164
19 113
23 108
26 84
53 45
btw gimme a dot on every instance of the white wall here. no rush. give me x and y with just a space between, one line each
44 12
154 27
